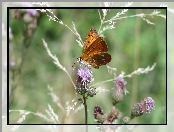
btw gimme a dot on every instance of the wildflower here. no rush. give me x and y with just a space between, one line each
149 103
84 77
113 114
144 106
92 91
99 116
85 74
119 89
120 83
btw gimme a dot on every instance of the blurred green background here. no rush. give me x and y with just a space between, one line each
132 44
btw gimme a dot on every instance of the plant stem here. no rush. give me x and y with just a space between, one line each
85 105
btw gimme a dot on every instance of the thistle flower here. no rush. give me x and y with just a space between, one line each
92 91
99 116
144 106
113 114
85 74
119 89
84 77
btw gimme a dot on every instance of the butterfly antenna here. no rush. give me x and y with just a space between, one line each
73 66
77 61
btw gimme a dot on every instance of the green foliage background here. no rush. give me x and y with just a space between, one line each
132 44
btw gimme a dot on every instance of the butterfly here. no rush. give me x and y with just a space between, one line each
95 50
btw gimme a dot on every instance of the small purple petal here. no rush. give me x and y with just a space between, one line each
120 83
149 103
84 73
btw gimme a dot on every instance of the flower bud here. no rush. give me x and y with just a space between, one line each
99 116
113 114
119 89
126 120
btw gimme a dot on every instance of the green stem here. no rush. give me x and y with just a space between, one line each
85 105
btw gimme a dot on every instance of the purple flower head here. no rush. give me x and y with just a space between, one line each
144 106
32 12
119 89
120 83
97 110
92 91
99 116
84 77
85 74
149 103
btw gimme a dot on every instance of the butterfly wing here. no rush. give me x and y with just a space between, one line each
90 38
95 50
99 59
99 45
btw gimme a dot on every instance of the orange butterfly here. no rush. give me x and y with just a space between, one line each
95 50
